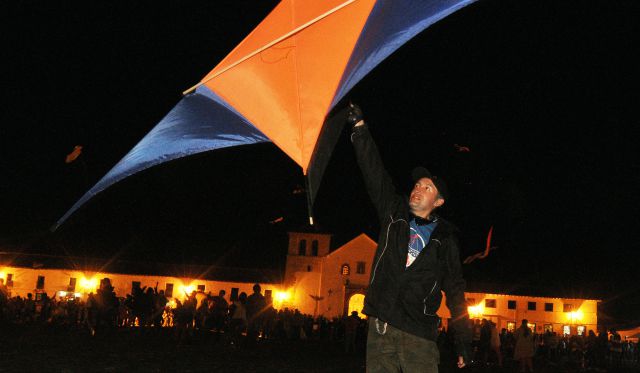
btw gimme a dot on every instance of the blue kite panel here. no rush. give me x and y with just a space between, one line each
200 122
391 24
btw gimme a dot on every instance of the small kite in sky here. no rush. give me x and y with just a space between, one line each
482 255
462 149
75 153
277 220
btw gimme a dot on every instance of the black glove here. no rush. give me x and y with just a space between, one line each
354 115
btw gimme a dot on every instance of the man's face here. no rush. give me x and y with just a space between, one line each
424 198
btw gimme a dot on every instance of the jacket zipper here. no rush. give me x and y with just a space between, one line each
386 242
424 301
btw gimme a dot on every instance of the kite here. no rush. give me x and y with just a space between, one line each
483 254
75 153
281 83
462 148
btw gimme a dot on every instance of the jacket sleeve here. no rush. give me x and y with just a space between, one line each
454 287
377 181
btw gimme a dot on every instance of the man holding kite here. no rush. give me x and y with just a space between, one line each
416 259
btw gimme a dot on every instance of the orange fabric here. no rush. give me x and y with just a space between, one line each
286 90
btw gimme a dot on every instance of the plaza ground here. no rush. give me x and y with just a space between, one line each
46 349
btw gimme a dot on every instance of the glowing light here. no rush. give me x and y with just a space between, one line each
89 284
3 276
62 293
282 296
475 311
172 304
188 289
77 295
576 316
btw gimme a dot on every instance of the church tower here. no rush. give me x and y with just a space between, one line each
305 254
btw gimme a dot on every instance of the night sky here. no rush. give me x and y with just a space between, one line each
544 94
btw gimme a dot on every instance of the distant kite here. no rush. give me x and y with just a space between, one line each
484 254
75 153
277 220
462 149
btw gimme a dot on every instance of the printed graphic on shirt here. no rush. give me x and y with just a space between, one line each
419 236
416 244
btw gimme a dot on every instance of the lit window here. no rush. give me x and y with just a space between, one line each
566 330
360 268
511 326
581 329
40 283
314 248
531 306
168 290
532 327
201 288
548 328
511 304
345 270
548 307
302 248
490 303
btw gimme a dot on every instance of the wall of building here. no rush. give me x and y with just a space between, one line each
580 312
335 285
57 280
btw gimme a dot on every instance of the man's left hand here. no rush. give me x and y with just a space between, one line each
461 363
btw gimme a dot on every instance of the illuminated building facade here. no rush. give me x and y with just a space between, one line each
317 281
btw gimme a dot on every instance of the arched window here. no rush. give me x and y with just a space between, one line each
302 248
314 248
345 271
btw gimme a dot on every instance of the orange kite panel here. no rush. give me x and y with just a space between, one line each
286 91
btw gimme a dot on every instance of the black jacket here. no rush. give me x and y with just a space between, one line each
408 297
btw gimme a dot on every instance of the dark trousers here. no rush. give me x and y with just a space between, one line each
392 350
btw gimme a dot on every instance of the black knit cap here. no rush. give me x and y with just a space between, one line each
420 172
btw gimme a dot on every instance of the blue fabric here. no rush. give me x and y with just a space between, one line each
200 122
391 24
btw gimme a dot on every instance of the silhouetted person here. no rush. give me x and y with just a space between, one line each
524 347
350 331
238 311
256 305
220 311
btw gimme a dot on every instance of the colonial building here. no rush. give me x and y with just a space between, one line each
317 281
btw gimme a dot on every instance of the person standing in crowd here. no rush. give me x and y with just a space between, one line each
417 257
495 342
256 305
351 324
238 312
525 343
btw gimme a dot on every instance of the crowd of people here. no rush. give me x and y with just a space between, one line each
241 321
582 352
251 318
